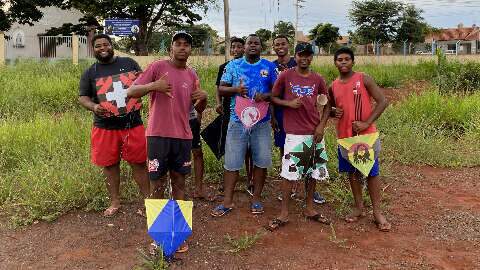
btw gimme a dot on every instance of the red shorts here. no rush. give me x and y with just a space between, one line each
109 146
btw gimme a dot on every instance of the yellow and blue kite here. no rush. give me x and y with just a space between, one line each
361 151
169 223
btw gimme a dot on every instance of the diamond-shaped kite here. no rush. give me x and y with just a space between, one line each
169 223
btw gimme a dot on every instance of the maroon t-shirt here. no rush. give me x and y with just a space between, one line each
169 117
290 85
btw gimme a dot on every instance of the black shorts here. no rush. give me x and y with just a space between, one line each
195 127
168 154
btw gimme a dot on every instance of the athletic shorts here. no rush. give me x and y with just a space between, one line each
299 161
195 127
345 167
168 154
108 146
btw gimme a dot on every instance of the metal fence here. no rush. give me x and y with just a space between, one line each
51 47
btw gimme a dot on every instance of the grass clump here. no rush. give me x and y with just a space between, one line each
243 242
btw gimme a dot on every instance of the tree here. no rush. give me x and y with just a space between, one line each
23 12
324 35
412 26
264 34
376 20
284 28
153 14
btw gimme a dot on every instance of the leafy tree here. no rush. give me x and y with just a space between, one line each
284 28
264 34
22 12
325 35
412 26
376 20
153 14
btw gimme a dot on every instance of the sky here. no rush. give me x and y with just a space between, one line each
247 16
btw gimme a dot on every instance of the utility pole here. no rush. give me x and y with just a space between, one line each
226 14
297 7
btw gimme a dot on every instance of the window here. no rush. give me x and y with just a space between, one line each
19 39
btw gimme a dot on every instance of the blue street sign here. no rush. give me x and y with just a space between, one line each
122 27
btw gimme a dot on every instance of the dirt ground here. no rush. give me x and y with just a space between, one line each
435 215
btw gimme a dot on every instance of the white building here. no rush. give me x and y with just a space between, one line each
24 40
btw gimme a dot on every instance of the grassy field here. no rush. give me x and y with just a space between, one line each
44 135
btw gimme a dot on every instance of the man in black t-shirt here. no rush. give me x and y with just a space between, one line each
118 131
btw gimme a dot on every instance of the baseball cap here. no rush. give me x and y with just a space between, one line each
182 34
304 47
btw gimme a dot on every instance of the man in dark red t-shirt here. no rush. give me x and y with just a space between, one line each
302 93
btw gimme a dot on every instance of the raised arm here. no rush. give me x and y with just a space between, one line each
160 85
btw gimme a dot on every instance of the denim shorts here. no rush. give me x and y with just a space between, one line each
239 139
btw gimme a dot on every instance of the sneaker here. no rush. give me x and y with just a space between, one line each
249 190
317 198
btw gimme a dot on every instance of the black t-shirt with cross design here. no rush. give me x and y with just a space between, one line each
107 84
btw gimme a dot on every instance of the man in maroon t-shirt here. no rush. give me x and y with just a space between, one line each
302 93
173 88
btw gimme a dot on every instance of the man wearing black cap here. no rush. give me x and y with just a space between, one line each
302 93
173 89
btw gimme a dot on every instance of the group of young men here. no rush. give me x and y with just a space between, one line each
254 96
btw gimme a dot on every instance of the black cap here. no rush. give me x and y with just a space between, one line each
182 34
304 47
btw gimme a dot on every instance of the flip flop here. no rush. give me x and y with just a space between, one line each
319 218
383 227
256 208
183 248
354 218
220 210
275 224
111 211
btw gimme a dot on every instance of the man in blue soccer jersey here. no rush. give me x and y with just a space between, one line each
247 78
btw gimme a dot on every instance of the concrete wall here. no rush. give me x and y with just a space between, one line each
52 17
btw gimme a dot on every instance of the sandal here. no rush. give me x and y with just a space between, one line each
257 208
383 227
183 248
319 218
111 211
220 210
352 218
275 224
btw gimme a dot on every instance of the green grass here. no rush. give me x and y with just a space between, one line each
45 137
45 169
433 129
243 242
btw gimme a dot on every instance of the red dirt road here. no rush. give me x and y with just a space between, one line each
435 215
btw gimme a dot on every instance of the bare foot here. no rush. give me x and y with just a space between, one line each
382 223
111 211
356 215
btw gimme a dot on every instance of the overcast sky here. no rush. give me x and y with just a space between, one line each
246 16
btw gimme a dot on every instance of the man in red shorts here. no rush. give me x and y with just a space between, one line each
118 131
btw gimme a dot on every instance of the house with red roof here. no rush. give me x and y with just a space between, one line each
460 40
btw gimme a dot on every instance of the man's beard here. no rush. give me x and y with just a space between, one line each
104 59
